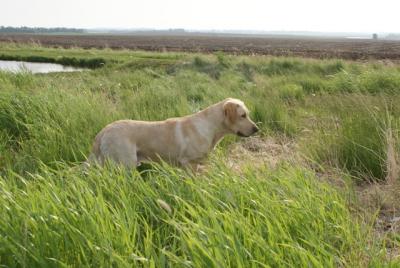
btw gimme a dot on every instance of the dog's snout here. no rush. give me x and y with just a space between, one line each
255 129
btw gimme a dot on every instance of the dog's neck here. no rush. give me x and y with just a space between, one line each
213 117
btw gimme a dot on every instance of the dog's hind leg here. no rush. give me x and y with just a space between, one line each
121 152
128 156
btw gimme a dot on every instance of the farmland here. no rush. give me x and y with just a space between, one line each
355 49
318 187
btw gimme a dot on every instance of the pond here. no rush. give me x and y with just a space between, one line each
34 67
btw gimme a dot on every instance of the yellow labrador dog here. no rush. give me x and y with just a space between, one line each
184 141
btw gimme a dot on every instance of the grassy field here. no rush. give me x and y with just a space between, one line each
328 198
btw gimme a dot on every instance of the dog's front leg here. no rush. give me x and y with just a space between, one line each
192 166
185 163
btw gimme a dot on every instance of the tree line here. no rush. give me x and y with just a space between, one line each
24 29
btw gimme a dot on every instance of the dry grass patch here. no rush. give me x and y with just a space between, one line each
262 151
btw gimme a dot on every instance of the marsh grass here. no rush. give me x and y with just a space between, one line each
111 217
355 137
282 94
55 214
49 126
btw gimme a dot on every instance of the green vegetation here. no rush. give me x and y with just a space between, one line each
339 114
109 217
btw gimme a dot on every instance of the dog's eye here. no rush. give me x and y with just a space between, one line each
244 115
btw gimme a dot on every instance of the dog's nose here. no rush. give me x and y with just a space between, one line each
255 129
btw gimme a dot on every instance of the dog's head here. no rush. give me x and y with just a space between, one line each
236 118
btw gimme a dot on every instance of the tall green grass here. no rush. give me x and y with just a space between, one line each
165 218
55 214
352 134
275 88
281 94
49 126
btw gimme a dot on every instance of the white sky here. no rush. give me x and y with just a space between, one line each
288 15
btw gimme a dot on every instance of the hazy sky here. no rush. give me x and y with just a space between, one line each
289 15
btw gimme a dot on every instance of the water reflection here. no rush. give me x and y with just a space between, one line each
34 67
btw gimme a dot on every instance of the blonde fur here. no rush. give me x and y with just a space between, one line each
184 141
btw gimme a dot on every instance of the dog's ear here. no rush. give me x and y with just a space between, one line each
230 111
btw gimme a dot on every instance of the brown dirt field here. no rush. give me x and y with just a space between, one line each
353 49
